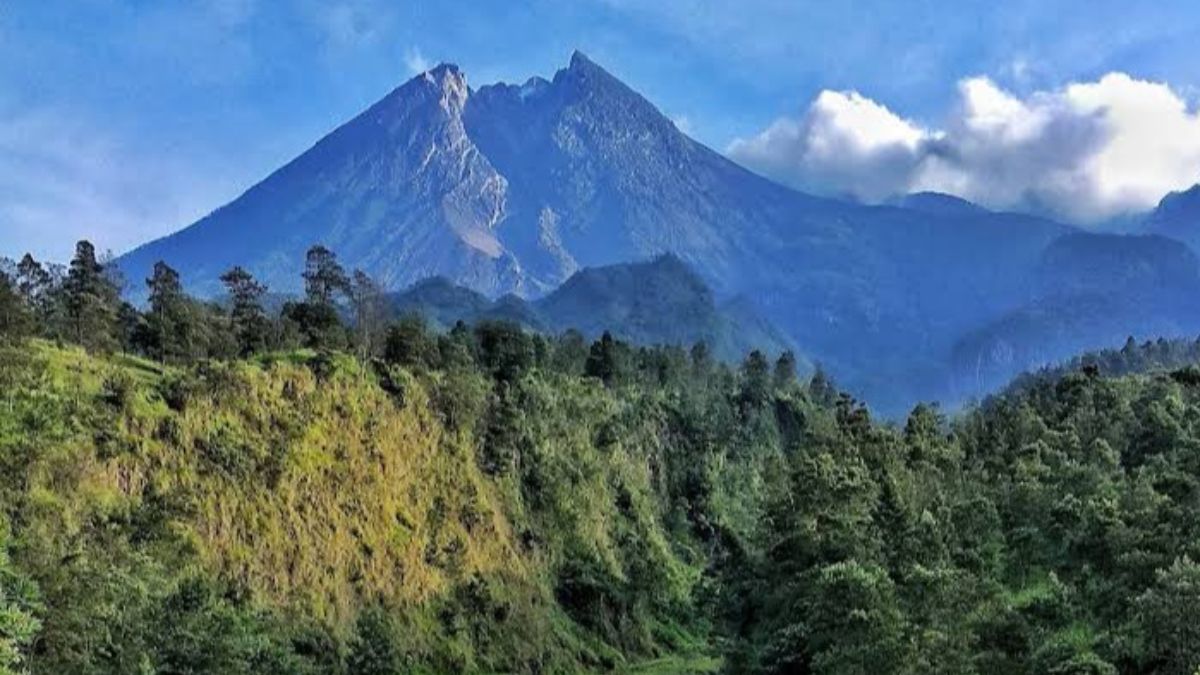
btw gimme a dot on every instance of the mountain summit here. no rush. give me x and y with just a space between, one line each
514 188
508 188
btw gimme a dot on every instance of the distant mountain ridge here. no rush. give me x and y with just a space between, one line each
938 203
1090 289
660 301
512 189
1177 216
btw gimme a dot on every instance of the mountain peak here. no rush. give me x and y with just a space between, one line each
1190 195
580 60
583 69
452 82
443 70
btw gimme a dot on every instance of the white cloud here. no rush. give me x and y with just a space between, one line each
845 142
415 61
1085 152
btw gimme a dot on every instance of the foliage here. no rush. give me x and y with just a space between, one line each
90 300
493 500
250 323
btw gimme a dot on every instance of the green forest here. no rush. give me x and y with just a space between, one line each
244 486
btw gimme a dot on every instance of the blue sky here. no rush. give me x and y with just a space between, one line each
124 120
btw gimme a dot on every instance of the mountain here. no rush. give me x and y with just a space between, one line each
661 301
1177 216
442 302
504 189
512 189
938 203
1091 290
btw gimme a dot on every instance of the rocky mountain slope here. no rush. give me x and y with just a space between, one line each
511 189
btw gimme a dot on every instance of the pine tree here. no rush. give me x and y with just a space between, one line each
323 276
785 370
756 380
91 300
317 319
172 326
821 389
34 284
250 323
603 360
701 358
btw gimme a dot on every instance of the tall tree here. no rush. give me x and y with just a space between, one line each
785 370
250 323
40 291
33 282
172 325
1168 615
370 313
91 299
410 343
603 361
323 276
14 316
316 319
756 380
821 388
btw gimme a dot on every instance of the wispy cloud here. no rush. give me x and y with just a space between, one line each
415 61
352 24
1085 152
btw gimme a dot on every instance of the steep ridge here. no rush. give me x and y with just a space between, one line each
511 189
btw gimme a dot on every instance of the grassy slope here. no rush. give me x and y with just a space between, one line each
314 496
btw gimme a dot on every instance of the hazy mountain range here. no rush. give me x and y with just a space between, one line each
662 301
509 190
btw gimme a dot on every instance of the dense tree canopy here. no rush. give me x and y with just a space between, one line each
492 500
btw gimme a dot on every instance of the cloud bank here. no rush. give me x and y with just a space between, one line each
1086 152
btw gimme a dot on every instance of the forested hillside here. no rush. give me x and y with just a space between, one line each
198 488
659 301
